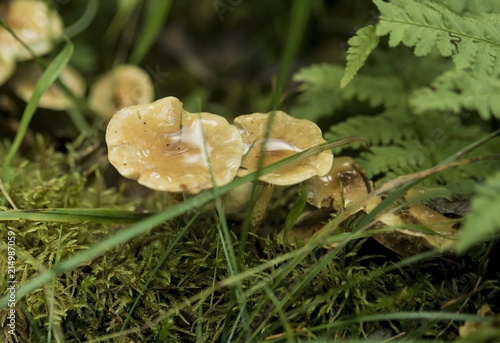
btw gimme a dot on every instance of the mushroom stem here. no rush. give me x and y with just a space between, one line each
261 204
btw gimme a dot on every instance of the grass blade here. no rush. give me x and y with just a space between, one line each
155 13
48 77
72 215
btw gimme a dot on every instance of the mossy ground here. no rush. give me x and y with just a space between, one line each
97 298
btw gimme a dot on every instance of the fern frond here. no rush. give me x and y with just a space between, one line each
398 147
483 221
386 90
321 95
471 7
394 158
360 48
377 130
459 89
474 42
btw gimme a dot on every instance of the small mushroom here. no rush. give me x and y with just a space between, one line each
125 85
165 148
344 185
24 81
407 241
287 136
34 23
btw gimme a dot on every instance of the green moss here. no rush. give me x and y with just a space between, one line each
95 299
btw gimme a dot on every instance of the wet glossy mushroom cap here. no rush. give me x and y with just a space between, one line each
288 136
407 241
344 185
24 81
166 148
34 23
125 85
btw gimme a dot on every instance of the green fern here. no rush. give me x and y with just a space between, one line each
483 221
361 46
471 7
376 130
457 90
321 96
473 42
398 145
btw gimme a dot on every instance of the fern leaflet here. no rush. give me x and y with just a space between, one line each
321 96
360 48
377 130
471 7
459 89
483 221
474 42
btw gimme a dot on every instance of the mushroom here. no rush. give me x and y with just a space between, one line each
287 137
344 185
24 81
125 85
34 23
165 148
407 241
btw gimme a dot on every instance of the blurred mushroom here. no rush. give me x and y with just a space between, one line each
166 148
408 241
287 137
24 81
344 185
125 85
34 23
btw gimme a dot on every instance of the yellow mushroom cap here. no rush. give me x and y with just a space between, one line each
407 241
288 136
344 185
125 85
166 148
24 81
34 23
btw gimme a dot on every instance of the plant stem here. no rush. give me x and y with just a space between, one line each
259 210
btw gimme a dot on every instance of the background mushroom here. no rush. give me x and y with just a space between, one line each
344 185
166 148
287 136
24 81
125 85
34 23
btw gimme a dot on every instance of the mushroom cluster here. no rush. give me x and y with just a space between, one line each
345 186
34 23
166 148
39 27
